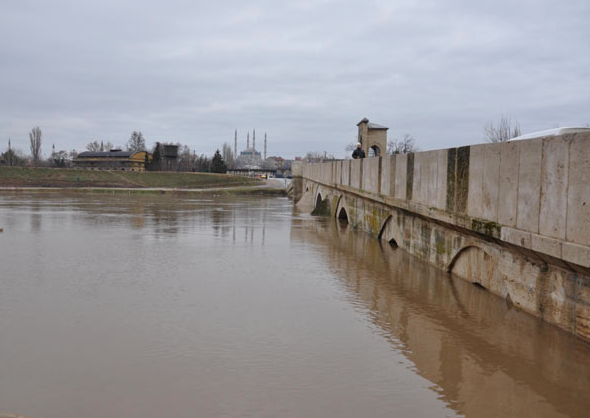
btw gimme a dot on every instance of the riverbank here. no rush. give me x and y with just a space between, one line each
264 189
25 177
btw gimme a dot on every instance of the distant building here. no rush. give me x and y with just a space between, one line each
169 155
373 137
275 162
113 160
250 158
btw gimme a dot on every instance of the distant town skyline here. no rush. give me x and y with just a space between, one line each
305 72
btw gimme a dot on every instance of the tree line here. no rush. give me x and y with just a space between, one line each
187 160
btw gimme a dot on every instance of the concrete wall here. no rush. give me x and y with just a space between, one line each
524 201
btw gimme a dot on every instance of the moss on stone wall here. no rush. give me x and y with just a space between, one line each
488 228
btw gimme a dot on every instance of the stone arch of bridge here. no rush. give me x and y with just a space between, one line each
342 212
461 252
478 266
321 201
319 196
390 232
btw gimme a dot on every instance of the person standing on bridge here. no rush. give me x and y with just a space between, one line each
358 152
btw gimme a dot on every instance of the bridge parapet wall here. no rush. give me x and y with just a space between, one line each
512 217
531 193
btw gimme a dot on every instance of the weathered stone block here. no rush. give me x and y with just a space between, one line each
462 179
401 166
578 209
371 173
355 173
554 183
326 173
297 169
508 188
441 179
475 193
529 185
577 254
546 245
516 237
417 183
583 321
346 173
429 178
410 177
338 172
491 182
385 175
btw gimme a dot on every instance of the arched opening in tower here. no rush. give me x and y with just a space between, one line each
374 151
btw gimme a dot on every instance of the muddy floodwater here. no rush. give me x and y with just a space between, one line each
116 305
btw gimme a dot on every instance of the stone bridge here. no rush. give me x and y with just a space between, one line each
513 218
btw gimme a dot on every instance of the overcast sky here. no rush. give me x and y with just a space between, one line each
304 71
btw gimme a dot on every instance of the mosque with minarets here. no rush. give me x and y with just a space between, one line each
250 157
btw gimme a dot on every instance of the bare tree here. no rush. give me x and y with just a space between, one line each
99 146
36 137
501 131
12 157
407 145
186 158
228 155
350 147
318 157
203 164
136 142
59 159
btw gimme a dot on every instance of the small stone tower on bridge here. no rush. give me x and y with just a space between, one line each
373 138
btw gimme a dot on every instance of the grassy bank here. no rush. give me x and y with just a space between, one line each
56 177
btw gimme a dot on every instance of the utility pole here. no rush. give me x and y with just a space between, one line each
236 144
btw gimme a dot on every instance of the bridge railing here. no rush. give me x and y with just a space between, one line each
533 193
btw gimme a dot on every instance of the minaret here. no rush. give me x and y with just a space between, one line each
236 144
265 145
254 139
248 140
8 143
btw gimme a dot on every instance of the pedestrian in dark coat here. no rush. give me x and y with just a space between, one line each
358 152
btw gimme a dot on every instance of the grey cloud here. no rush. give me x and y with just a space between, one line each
305 72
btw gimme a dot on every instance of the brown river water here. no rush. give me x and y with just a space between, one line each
161 306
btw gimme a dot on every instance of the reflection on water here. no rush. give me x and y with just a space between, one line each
116 305
485 357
